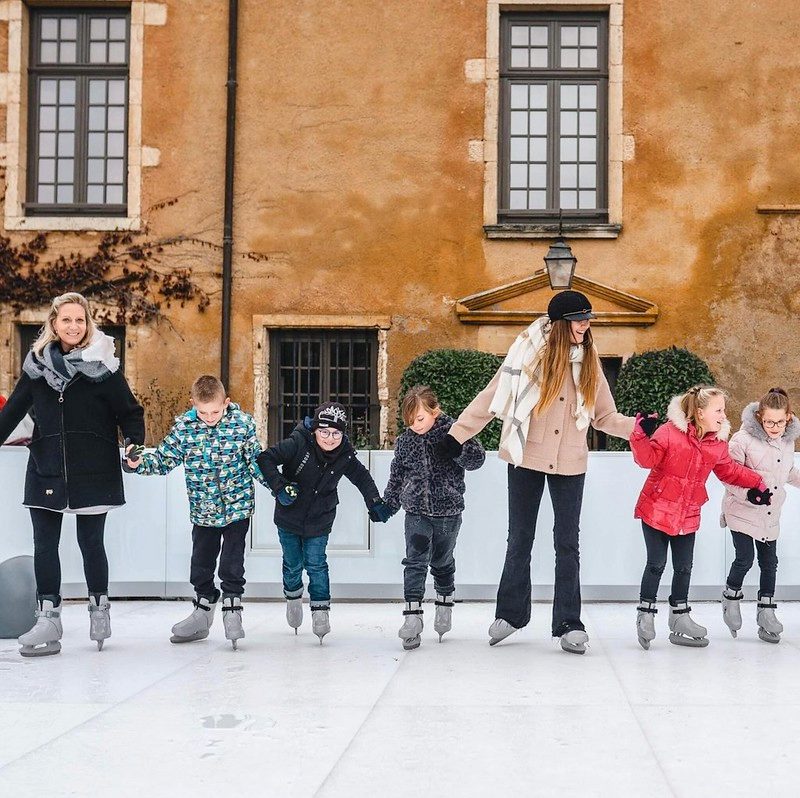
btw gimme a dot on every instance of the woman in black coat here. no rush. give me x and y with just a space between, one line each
80 399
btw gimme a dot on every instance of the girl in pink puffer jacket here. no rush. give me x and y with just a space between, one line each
764 443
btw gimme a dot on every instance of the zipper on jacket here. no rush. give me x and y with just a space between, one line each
63 442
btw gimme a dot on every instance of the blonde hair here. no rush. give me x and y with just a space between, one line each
48 334
207 388
774 399
554 362
697 398
416 397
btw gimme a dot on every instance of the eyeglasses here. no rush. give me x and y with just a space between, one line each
774 424
330 433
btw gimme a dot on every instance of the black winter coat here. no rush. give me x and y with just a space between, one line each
301 461
74 454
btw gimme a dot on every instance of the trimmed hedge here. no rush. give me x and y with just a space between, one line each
457 376
647 382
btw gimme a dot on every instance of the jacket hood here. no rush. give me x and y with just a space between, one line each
752 425
676 415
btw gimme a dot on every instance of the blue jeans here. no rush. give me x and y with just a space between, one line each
430 541
308 553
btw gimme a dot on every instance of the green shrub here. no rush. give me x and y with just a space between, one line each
456 376
647 382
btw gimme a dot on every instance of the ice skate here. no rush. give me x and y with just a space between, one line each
646 623
99 619
683 630
443 620
320 622
45 636
232 618
731 611
294 612
500 630
574 641
411 630
769 627
196 626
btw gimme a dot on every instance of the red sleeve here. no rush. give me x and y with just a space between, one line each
733 473
649 452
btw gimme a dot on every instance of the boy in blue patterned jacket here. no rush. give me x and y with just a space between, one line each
216 443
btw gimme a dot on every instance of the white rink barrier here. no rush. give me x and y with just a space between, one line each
149 541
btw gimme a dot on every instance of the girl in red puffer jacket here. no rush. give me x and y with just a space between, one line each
680 455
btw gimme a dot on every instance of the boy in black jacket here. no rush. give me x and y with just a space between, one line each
312 460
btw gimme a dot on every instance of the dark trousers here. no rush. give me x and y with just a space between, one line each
525 489
657 543
46 562
206 542
767 562
430 541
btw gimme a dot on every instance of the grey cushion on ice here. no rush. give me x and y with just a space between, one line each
17 596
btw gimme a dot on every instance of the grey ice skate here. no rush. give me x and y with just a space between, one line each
320 622
232 618
574 641
443 620
731 610
500 630
411 630
646 623
99 620
769 627
44 637
683 630
196 626
294 612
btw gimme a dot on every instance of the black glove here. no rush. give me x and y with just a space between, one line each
648 423
288 494
449 448
760 497
136 451
380 512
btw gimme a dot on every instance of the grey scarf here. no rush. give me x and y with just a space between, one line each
95 362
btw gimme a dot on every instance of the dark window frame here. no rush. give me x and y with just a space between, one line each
280 422
82 71
598 440
553 77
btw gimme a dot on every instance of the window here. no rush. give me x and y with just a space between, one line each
308 367
28 333
553 117
598 441
78 109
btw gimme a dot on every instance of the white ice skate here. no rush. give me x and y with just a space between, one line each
646 623
443 620
769 627
500 630
683 630
196 626
99 620
574 641
294 612
320 622
45 636
411 630
232 618
731 610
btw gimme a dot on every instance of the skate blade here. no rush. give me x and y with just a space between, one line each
45 651
576 649
320 638
233 643
769 637
295 630
411 643
689 642
100 645
644 643
733 633
189 639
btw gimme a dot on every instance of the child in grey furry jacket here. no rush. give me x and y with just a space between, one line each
427 480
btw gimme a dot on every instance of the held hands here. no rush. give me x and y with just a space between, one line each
647 424
380 512
449 448
288 494
133 456
760 497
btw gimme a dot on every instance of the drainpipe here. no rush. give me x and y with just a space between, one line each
227 225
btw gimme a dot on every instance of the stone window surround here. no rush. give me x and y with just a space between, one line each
619 145
14 94
261 326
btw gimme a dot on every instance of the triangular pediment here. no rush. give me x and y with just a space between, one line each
523 301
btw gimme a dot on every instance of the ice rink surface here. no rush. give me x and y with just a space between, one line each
358 716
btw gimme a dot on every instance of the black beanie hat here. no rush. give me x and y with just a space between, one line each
570 305
330 414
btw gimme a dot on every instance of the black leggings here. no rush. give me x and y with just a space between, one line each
46 563
657 543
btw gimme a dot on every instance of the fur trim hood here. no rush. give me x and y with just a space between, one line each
676 415
752 425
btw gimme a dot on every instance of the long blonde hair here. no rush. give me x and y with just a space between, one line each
697 398
554 362
48 334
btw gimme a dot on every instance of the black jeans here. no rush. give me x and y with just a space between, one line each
206 542
657 543
767 562
525 489
46 562
430 541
